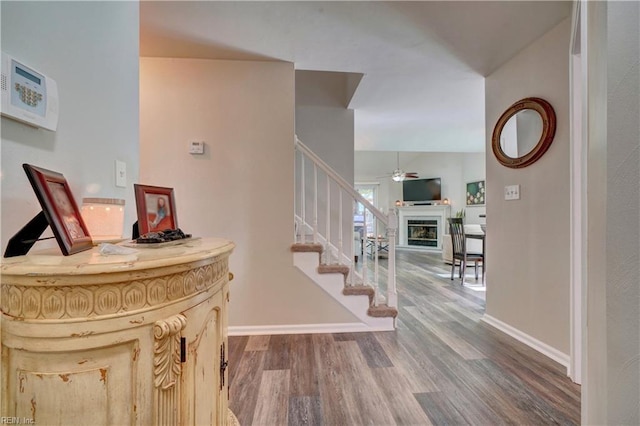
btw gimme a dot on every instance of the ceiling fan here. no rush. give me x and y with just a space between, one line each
398 175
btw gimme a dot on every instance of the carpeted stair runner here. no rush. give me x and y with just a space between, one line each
379 311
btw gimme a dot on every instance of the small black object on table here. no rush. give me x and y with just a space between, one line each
162 236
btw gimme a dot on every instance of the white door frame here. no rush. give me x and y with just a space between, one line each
578 204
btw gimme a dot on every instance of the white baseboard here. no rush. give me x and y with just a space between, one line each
420 248
532 342
256 330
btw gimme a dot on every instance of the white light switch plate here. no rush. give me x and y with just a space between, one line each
512 192
121 174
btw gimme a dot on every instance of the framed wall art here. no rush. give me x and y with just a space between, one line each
60 210
475 193
156 208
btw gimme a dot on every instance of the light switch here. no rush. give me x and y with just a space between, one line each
121 174
512 192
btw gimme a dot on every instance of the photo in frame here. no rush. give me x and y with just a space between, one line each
156 208
60 209
475 193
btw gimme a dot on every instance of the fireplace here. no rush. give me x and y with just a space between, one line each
423 233
422 227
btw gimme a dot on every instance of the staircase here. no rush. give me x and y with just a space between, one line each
324 206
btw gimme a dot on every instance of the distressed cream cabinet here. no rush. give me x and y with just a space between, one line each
138 339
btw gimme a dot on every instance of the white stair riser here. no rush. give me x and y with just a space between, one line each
333 283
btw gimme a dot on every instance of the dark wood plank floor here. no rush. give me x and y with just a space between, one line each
442 366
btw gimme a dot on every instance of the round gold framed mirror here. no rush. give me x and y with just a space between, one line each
524 132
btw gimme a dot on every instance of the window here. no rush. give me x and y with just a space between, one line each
370 193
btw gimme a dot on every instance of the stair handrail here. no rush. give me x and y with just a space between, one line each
342 182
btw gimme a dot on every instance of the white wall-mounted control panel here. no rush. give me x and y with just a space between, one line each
196 147
28 95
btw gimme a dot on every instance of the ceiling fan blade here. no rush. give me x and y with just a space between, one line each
398 175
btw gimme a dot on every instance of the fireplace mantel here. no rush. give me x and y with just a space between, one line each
439 212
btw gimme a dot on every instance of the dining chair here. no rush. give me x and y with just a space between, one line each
459 248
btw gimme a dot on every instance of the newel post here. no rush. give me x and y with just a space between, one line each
392 228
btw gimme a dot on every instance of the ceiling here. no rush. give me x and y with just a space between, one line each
423 62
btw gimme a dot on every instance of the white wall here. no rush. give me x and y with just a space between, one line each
454 169
612 47
91 50
623 213
528 239
242 187
593 50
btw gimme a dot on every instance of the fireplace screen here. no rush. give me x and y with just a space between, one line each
422 233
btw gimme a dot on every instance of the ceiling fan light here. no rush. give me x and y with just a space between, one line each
398 177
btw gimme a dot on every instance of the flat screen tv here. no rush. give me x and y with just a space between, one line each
421 190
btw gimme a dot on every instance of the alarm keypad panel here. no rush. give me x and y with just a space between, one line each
28 95
29 88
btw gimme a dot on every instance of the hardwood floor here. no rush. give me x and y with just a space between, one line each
442 366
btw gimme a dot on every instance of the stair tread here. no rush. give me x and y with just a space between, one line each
324 268
358 290
306 247
382 311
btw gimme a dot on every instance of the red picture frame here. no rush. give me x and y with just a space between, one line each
60 209
156 208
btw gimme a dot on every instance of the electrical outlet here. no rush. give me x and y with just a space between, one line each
512 192
121 174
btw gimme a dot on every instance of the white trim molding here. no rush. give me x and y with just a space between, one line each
530 341
260 330
578 202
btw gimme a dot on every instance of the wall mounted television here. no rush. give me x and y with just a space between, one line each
421 190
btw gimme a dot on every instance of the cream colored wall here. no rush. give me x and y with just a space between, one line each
242 187
528 241
97 79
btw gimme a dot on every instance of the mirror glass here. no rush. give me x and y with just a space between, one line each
524 132
521 133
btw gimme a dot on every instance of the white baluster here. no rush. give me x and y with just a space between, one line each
340 230
352 268
328 219
365 249
315 204
303 228
392 291
376 279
